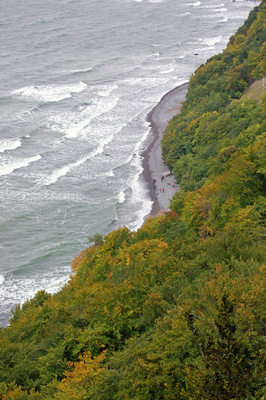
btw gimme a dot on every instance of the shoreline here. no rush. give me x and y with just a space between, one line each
161 191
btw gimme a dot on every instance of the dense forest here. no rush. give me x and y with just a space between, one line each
175 310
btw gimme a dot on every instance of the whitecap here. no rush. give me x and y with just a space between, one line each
48 93
220 10
8 167
184 14
73 124
139 198
107 90
2 279
196 4
225 19
167 71
121 197
59 172
109 173
18 289
211 41
9 144
81 71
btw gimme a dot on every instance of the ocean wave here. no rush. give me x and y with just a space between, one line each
18 289
196 4
140 201
211 41
60 172
140 83
49 93
109 173
107 90
219 10
214 5
74 124
9 144
121 196
9 166
2 279
167 71
225 19
33 197
81 71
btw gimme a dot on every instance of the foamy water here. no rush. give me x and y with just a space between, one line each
78 80
48 93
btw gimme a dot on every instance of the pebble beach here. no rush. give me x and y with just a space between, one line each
161 182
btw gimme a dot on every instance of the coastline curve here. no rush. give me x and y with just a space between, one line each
161 184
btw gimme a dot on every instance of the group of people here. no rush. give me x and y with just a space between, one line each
156 187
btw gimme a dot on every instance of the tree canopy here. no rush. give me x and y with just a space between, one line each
175 310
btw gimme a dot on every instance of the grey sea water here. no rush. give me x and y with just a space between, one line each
77 80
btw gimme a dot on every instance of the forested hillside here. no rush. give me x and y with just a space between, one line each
175 310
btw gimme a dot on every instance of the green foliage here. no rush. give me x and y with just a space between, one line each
206 120
97 239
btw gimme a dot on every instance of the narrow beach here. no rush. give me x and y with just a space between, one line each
161 191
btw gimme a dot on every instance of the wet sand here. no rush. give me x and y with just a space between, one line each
153 165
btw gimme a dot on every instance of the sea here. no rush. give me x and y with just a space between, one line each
78 78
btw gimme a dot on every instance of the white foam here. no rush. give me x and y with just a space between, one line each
211 41
107 90
139 83
110 173
77 71
225 19
167 71
58 173
73 124
9 166
196 4
48 93
18 289
99 107
121 197
2 279
140 198
9 144
220 10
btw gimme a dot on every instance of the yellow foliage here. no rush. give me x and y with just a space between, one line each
78 260
83 374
